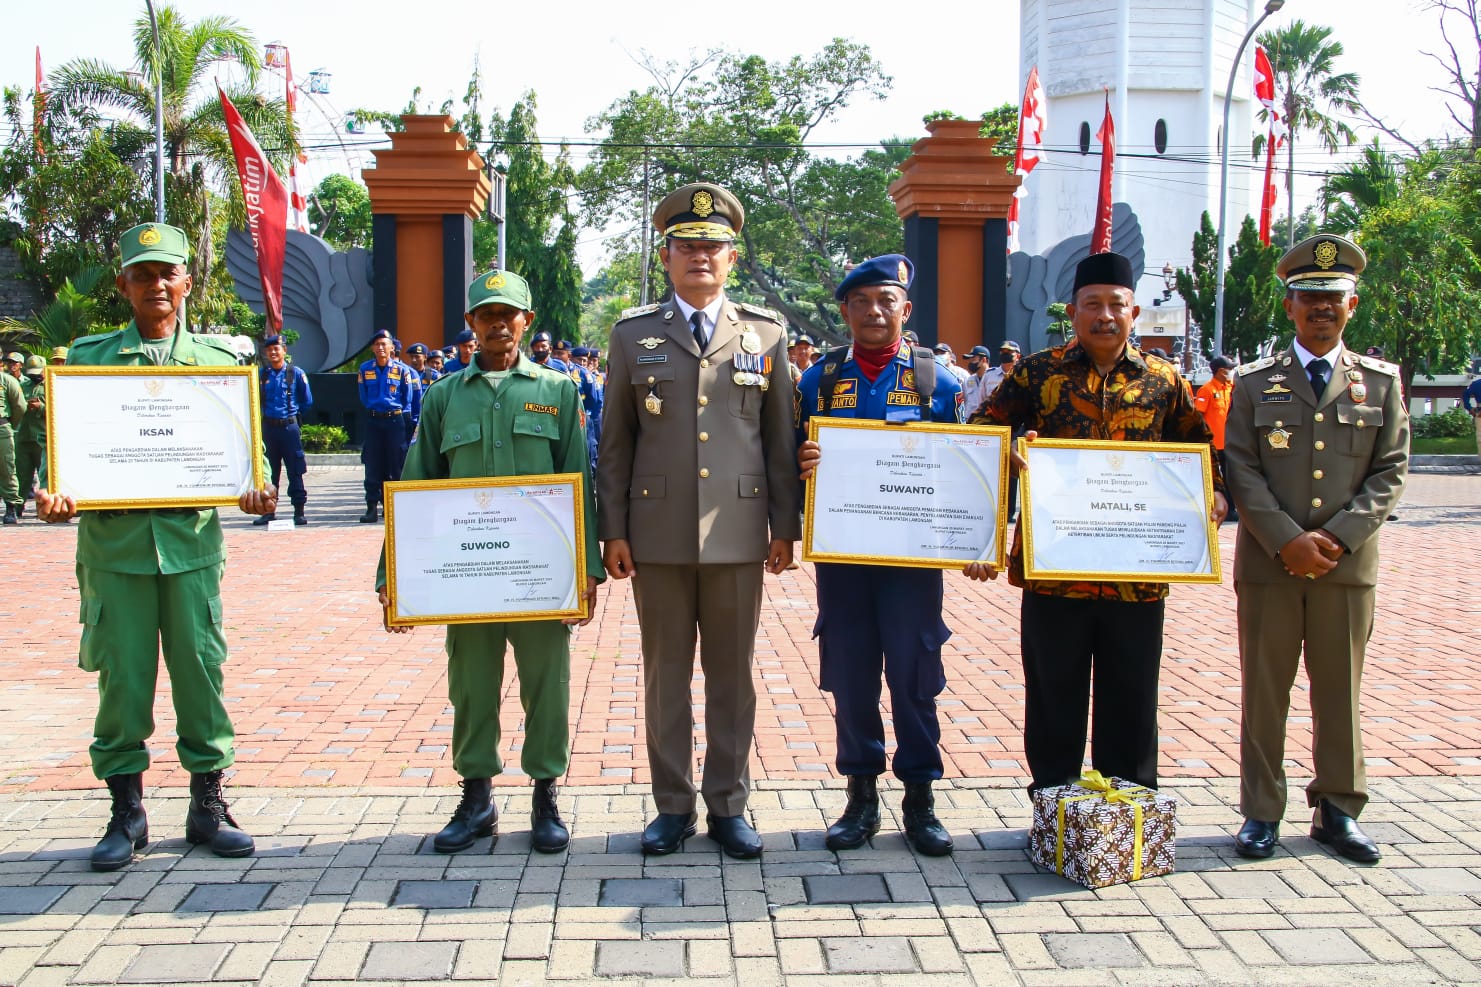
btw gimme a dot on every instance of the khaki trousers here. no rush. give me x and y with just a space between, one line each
720 605
1331 624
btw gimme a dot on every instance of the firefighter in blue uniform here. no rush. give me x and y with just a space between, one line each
414 380
385 394
464 346
417 357
541 353
877 618
285 397
591 400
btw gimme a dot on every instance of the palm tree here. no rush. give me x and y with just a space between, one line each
197 150
1311 92
1347 195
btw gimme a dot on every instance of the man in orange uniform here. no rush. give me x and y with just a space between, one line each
1212 400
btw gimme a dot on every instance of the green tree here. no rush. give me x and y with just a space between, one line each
540 234
1252 293
1350 192
1198 283
745 121
197 150
339 211
73 313
1311 91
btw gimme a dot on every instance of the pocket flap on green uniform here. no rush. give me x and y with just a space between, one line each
217 611
460 435
538 424
91 611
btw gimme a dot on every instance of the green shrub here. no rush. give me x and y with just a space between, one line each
1452 424
323 438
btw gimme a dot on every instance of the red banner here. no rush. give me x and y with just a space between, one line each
1032 123
1267 200
267 209
1100 238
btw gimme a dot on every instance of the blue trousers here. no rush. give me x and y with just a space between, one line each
883 619
285 448
383 453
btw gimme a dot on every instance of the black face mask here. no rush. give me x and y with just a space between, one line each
974 365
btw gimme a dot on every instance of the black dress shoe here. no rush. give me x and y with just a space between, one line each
735 836
264 519
1257 839
668 832
1340 831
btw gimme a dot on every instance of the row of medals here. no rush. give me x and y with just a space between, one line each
749 371
1279 438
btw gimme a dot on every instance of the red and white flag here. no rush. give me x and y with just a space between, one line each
1265 93
1264 79
1100 237
300 207
1032 123
267 209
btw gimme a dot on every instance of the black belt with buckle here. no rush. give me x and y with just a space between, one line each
385 414
280 422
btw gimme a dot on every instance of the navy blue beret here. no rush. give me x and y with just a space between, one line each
541 337
895 269
581 351
273 340
466 336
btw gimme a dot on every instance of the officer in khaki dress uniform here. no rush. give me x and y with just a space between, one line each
150 581
697 455
1317 448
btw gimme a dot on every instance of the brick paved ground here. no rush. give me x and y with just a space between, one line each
344 769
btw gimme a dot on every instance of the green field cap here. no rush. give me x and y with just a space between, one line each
499 287
155 241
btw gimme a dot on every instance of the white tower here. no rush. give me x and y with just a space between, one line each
1165 64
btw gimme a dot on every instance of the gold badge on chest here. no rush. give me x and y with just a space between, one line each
750 341
1279 438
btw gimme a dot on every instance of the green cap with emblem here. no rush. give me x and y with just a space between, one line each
1324 262
701 211
499 287
155 241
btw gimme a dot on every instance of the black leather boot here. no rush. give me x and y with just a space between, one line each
1336 829
128 829
475 816
860 819
369 517
922 829
547 833
10 515
298 518
209 820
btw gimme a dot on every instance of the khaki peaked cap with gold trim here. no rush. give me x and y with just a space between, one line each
700 211
1324 262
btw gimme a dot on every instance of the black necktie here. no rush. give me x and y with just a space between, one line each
697 320
1317 371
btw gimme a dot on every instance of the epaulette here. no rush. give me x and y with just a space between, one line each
1382 366
762 311
633 313
93 339
1250 368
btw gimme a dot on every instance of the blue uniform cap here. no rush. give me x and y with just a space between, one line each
417 348
563 344
274 340
381 334
581 351
540 337
466 336
895 269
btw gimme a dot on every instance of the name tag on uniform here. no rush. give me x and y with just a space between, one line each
903 398
544 409
654 358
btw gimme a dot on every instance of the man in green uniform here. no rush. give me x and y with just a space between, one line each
153 577
12 407
30 437
504 415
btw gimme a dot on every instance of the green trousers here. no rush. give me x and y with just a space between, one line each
126 620
27 461
9 488
475 683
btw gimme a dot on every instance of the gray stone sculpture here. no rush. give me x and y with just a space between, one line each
1038 280
327 296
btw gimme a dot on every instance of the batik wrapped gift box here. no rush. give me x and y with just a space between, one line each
1102 831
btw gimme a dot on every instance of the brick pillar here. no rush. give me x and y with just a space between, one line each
953 195
425 193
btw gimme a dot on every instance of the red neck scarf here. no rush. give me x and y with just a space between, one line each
872 362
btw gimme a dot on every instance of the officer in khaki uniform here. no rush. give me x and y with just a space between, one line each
151 580
1317 445
502 415
697 463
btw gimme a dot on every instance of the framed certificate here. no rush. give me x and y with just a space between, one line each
140 437
1118 512
485 550
923 495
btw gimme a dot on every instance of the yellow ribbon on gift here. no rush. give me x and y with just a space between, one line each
1101 787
